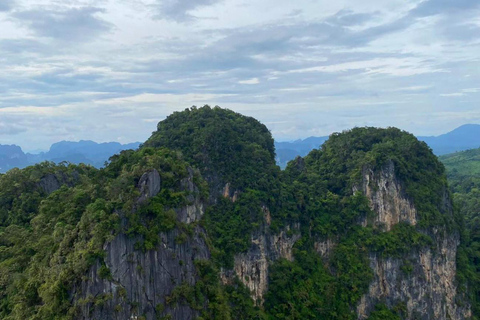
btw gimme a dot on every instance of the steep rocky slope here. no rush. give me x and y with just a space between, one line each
422 280
140 281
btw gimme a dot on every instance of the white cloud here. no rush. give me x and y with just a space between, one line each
462 92
250 81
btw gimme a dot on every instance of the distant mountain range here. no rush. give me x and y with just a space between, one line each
84 151
287 151
93 153
462 138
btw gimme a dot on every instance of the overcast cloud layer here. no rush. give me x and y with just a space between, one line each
109 70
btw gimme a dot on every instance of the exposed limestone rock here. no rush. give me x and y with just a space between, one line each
424 280
53 181
325 247
141 281
281 244
195 210
231 194
191 213
266 215
252 267
50 183
187 184
149 185
387 198
226 190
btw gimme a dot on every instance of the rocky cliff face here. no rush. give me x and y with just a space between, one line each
387 198
252 266
424 281
137 283
140 281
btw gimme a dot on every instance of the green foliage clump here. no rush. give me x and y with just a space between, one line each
55 248
306 289
382 312
230 225
21 190
403 238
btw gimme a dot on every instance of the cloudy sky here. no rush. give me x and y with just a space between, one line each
109 70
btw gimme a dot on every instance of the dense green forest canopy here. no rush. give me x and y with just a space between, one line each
465 163
463 171
224 145
51 234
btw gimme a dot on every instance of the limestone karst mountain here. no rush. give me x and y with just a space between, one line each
200 223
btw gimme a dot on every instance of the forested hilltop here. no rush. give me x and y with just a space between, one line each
200 223
462 138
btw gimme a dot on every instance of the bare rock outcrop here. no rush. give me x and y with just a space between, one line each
252 266
424 280
140 282
324 247
53 181
129 283
388 198
149 185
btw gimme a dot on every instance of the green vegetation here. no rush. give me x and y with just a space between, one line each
463 171
224 145
214 300
230 224
306 289
338 166
465 163
320 196
60 235
49 241
382 312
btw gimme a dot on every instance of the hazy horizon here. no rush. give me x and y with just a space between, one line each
38 151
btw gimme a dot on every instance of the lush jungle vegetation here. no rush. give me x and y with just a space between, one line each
463 171
48 240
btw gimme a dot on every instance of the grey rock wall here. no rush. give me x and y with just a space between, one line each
141 281
424 281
